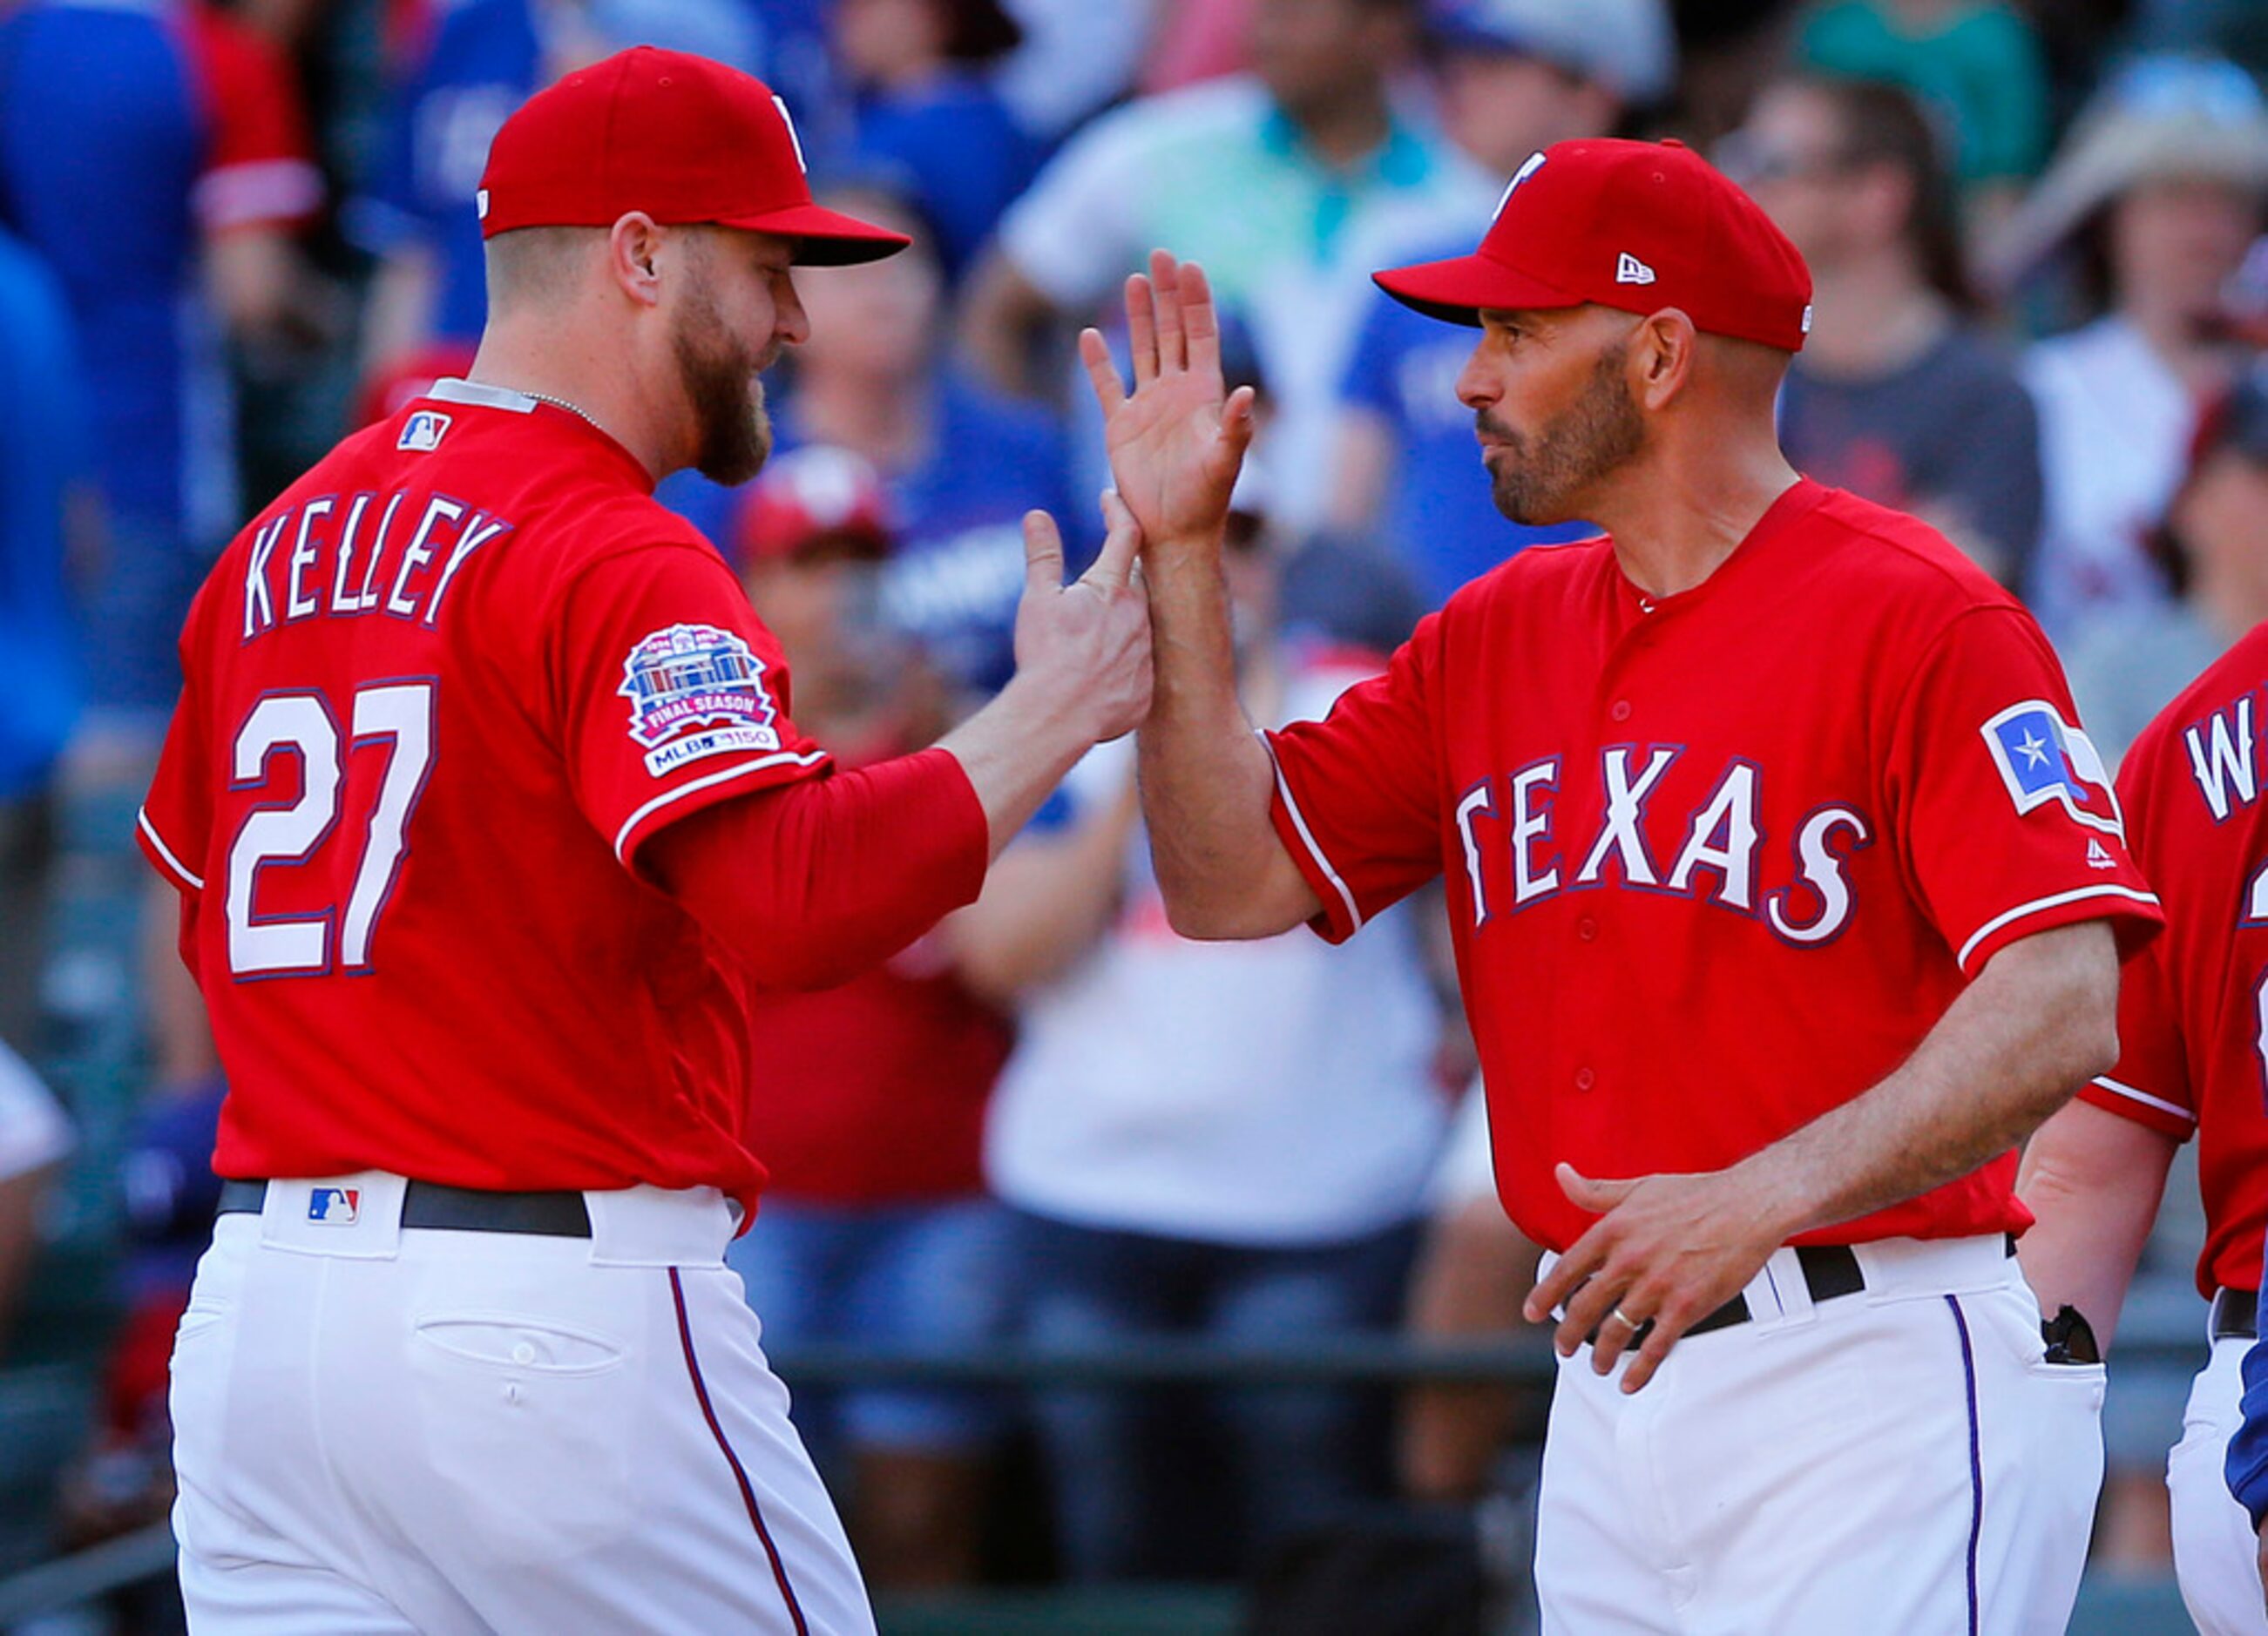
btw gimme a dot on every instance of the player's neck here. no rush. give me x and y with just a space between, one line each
1676 522
550 364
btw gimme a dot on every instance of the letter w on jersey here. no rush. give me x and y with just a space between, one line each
2043 757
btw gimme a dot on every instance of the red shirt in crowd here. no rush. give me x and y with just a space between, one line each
1716 862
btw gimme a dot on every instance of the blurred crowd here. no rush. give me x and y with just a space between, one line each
232 229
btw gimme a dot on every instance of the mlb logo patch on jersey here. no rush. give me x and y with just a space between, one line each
697 690
2043 757
422 432
335 1207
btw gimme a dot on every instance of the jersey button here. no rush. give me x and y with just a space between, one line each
1588 929
1620 710
1585 1079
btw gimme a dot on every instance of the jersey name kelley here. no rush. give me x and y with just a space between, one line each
395 554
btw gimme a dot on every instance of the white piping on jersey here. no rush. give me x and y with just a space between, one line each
2054 902
683 790
450 390
142 818
1308 836
2144 1098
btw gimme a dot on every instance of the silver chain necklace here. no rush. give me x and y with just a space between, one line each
562 403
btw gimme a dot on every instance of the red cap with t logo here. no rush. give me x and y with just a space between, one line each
1638 225
678 136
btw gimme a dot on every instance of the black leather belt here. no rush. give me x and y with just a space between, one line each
457 1209
1829 1270
2236 1314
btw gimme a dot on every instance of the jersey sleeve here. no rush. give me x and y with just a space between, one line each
174 825
259 169
1357 793
672 695
2151 1082
2006 816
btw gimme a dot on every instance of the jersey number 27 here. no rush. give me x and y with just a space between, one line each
394 718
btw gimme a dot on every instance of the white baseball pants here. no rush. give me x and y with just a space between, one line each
1896 1460
2216 1553
381 1431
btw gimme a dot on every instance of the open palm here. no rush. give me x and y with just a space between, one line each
1176 440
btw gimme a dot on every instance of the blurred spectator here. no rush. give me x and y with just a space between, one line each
1228 1140
1516 76
2162 179
43 461
868 1108
1473 1271
34 1139
1974 64
1284 185
962 463
484 58
1896 396
2214 549
927 111
1197 40
143 147
1078 56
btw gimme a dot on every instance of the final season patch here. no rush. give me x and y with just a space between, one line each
696 691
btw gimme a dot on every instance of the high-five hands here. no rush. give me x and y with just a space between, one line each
1089 641
1176 440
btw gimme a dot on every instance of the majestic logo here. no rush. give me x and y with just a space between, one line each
1629 270
335 1207
422 432
2043 757
697 690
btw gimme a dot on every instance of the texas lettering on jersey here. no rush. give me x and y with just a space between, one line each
1714 853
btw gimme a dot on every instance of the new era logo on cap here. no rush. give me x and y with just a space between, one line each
1629 270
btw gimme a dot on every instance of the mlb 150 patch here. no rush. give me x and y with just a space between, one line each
695 691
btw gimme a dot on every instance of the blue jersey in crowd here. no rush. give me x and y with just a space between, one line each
42 452
953 148
1437 516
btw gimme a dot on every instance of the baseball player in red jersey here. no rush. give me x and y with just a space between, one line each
2192 1031
1787 895
485 805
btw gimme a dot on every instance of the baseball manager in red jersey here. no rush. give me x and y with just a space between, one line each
485 804
1788 896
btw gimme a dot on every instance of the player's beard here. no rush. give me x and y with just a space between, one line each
721 383
1541 479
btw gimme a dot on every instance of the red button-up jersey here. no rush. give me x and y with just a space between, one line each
2193 1008
1716 862
437 695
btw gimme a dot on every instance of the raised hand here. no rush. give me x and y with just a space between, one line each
1090 640
1176 440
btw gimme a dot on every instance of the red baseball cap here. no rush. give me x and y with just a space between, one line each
678 136
813 496
1638 225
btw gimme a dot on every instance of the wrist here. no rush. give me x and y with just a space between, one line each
1780 1191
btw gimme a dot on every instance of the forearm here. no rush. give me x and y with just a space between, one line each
811 884
1206 779
2014 1048
1016 750
2093 1180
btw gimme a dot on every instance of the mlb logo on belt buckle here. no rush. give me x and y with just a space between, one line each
421 433
335 1207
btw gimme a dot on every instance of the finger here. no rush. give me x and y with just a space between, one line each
1173 340
1236 420
1650 1352
1596 1197
1200 322
1624 1325
1567 1273
1115 566
1587 1309
1043 556
1142 329
1101 370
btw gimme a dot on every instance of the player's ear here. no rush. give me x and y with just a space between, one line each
634 257
1661 355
